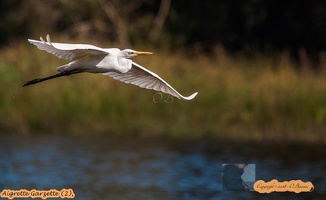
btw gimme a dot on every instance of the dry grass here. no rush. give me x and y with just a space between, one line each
261 98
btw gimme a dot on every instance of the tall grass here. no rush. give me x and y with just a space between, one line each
257 98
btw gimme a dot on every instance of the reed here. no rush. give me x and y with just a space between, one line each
240 98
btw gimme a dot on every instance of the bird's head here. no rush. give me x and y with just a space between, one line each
129 53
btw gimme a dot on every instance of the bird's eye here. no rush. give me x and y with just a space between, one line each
130 53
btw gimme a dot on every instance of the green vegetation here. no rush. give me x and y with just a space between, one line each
257 98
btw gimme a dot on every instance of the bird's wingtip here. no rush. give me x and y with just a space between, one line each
48 39
41 39
191 96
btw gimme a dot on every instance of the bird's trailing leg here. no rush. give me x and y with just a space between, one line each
38 80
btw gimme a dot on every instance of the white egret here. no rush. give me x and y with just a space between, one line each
107 61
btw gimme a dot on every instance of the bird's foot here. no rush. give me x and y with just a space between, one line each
34 81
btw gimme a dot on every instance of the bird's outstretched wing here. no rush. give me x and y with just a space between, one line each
144 78
67 51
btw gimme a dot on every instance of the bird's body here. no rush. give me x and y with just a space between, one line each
110 62
107 61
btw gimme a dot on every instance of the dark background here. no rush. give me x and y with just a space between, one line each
249 26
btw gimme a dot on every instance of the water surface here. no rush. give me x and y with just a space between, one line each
132 168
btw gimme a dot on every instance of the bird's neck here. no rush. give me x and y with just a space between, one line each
124 64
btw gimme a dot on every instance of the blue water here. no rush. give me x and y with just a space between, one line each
131 168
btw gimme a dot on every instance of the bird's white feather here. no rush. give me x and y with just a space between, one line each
144 78
68 51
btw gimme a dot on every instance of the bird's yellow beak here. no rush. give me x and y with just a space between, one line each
142 53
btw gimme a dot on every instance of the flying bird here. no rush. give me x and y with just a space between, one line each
107 61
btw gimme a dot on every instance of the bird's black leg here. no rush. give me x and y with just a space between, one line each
38 80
